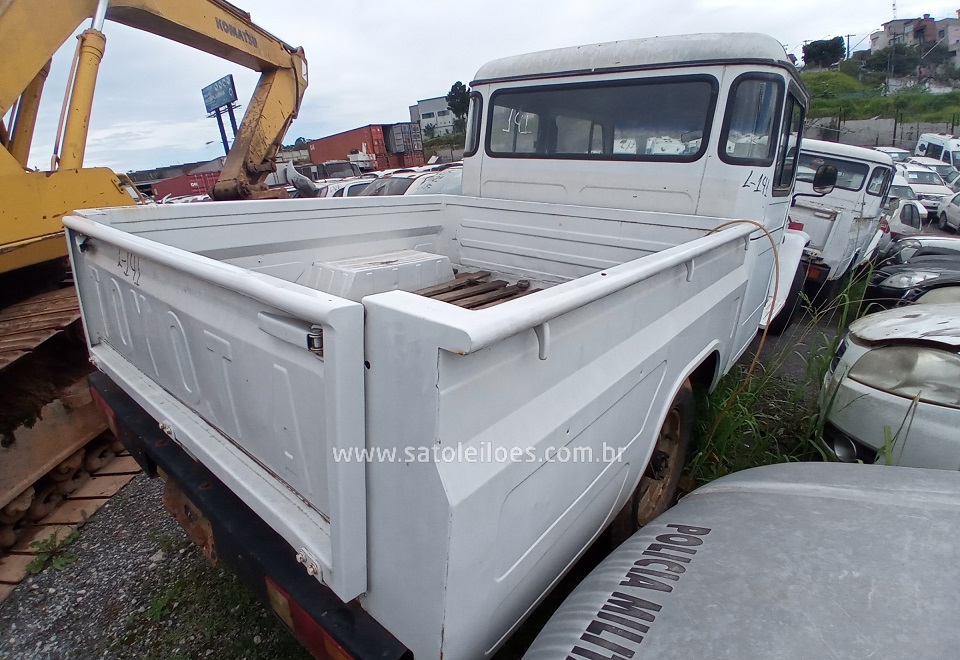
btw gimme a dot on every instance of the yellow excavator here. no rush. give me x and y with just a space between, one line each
51 435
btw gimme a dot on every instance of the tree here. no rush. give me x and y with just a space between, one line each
429 130
898 59
935 56
458 100
824 53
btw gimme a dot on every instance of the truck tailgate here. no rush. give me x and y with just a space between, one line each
818 221
259 379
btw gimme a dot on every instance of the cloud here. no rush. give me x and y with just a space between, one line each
369 61
113 145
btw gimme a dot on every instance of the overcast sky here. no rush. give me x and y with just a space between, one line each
370 60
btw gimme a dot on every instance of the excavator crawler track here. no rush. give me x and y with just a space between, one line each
52 435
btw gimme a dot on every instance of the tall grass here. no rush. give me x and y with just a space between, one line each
835 93
775 417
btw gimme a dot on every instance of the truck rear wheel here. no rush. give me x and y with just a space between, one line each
657 490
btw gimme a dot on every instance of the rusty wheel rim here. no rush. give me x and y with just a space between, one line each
662 472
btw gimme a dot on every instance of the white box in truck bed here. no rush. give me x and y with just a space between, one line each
409 447
356 277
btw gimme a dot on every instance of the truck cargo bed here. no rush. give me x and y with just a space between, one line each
271 339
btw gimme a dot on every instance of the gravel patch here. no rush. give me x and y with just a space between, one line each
139 588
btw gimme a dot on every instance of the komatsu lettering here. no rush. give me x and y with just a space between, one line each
239 33
621 615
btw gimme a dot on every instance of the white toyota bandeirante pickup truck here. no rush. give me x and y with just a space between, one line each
842 225
402 420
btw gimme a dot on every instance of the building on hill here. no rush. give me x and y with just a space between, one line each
909 31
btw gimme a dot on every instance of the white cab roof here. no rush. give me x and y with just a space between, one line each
682 50
845 151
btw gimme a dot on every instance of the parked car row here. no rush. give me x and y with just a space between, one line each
444 182
902 213
892 394
934 181
437 179
927 184
912 267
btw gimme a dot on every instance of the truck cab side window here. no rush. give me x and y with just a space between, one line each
474 114
878 181
749 135
789 142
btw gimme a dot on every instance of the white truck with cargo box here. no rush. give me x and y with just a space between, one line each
405 418
842 225
815 560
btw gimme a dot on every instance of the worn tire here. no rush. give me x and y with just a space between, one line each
658 487
783 320
8 536
942 225
46 499
99 453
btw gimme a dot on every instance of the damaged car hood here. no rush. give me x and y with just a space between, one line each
938 324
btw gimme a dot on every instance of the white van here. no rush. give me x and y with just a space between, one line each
842 224
943 147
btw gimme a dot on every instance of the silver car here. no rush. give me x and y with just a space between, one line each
893 391
948 213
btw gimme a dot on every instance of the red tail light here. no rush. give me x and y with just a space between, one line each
310 633
795 226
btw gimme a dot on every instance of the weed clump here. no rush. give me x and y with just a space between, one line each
770 416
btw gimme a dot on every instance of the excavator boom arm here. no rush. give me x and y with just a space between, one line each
212 26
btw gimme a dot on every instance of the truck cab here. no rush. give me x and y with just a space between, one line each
695 124
685 124
841 225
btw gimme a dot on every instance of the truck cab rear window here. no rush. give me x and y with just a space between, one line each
654 119
850 175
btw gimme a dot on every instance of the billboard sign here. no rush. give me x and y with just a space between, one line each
219 94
